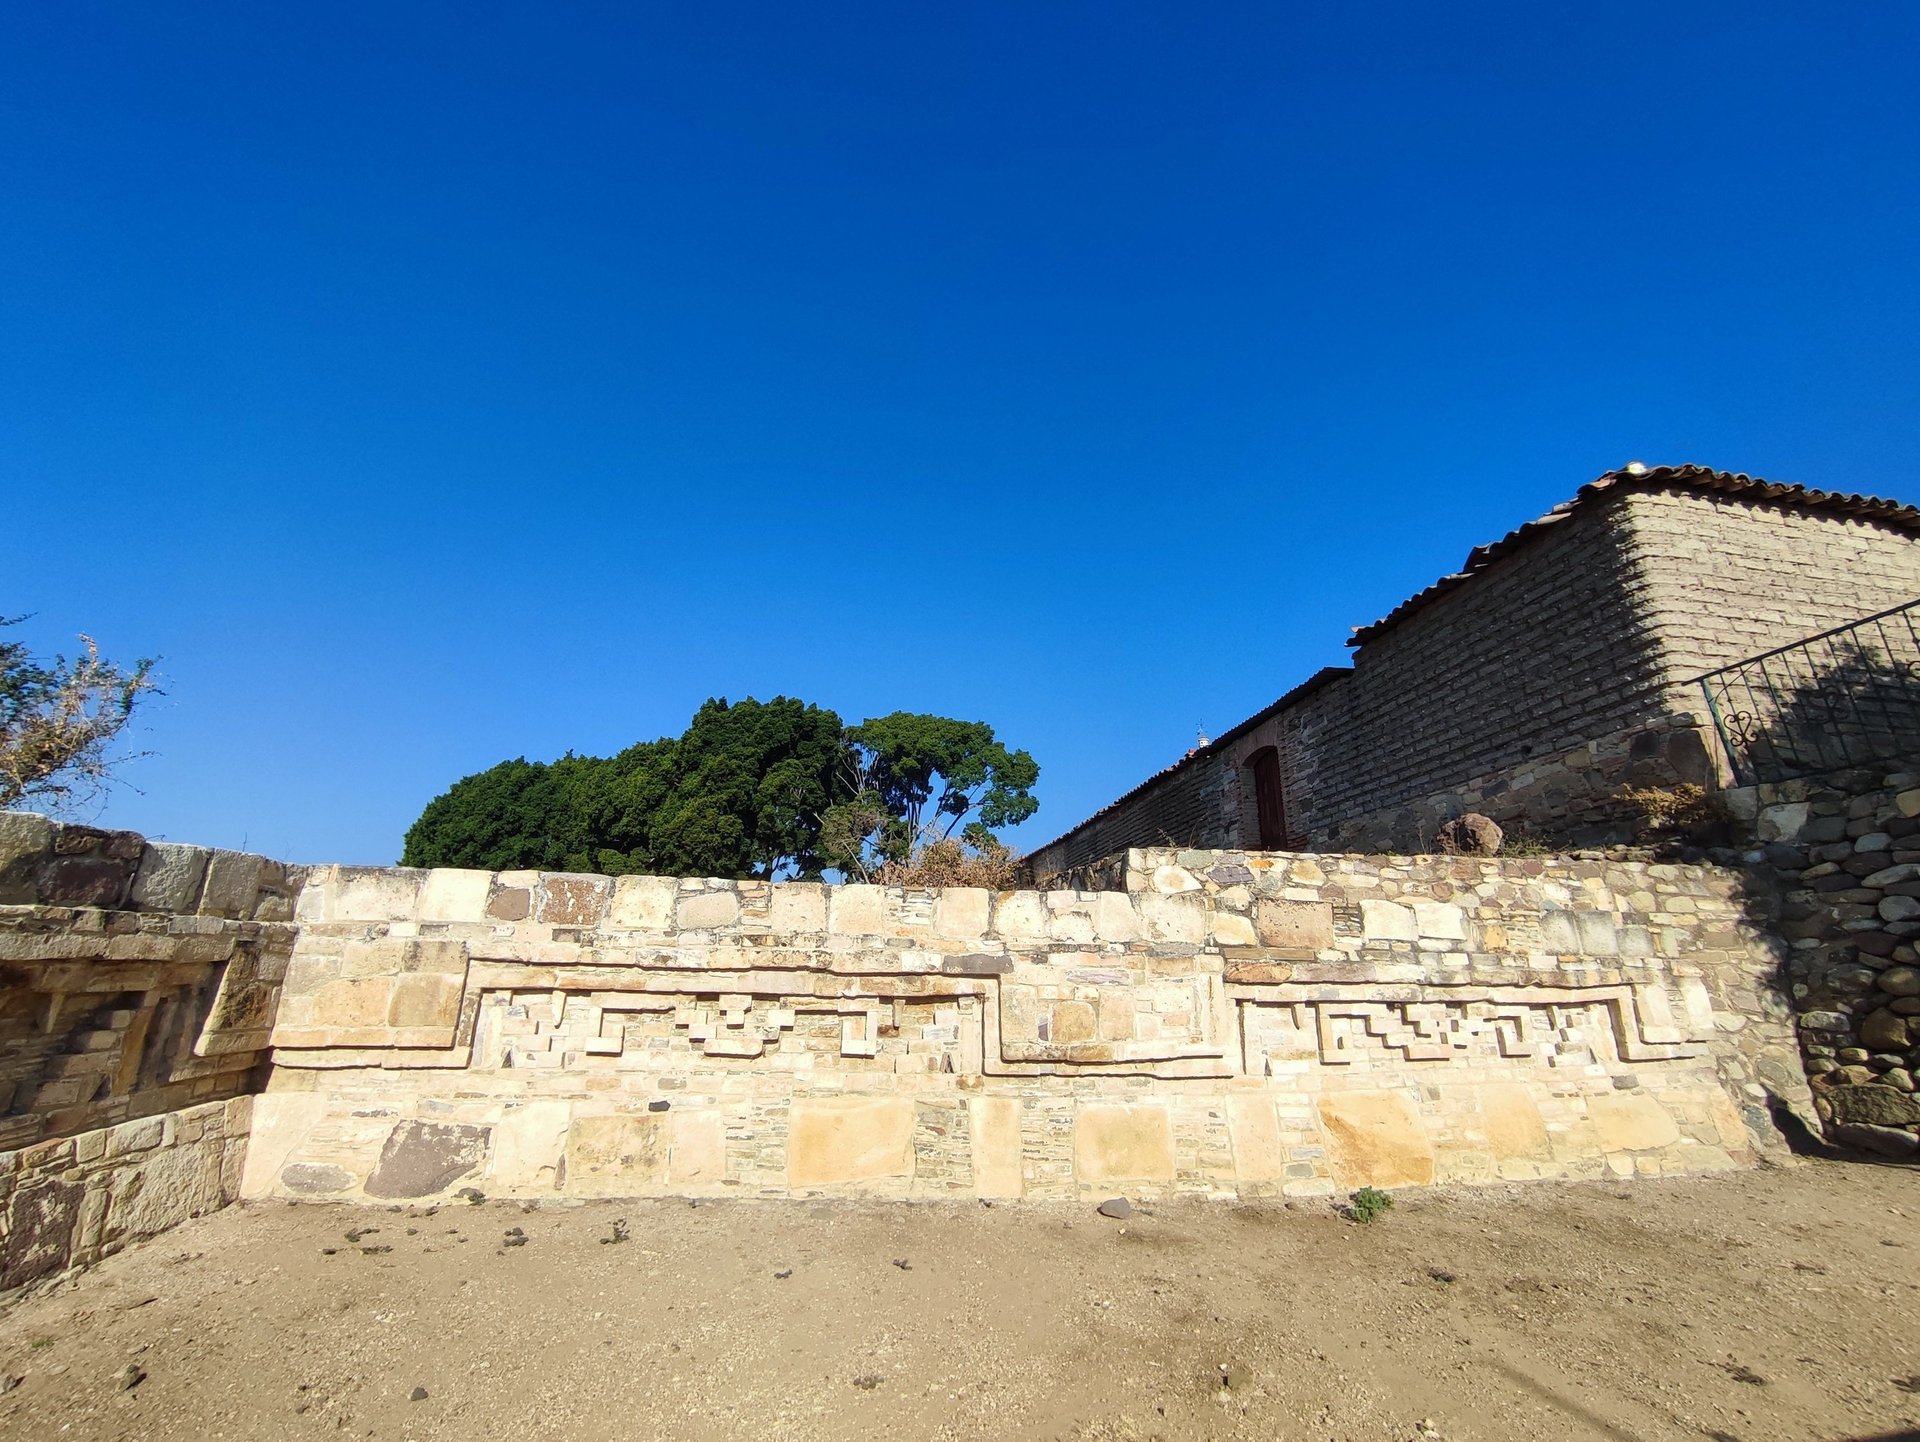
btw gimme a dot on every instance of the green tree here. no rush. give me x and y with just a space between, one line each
918 779
59 720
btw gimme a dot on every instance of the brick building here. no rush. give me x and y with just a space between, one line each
1560 663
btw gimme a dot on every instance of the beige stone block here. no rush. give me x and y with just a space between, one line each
1387 921
849 1141
1231 929
1174 918
1727 1122
855 910
1514 1126
308 974
1114 918
696 1148
1438 920
528 1142
997 1167
1259 1153
643 903
1020 915
1631 1122
1301 925
962 913
1376 1139
705 910
1174 880
624 1155
1122 1144
281 1123
455 895
361 1002
374 894
573 900
1072 1021
426 999
797 907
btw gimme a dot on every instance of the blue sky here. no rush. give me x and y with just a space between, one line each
429 385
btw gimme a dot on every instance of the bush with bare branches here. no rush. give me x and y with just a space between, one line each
59 720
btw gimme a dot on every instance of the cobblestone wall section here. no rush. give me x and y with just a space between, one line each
1228 1024
1847 849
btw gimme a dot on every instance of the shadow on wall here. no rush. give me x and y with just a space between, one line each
1826 738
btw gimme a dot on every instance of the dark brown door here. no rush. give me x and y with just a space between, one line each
1266 795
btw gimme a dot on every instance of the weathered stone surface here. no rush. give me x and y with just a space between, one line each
573 900
422 1158
1470 835
1884 1031
1305 926
25 840
169 878
616 1156
857 910
1885 1141
1515 1129
83 881
1900 981
452 894
1122 1143
510 903
696 1149
39 1233
995 1124
1387 921
849 1141
1376 1139
232 885
1882 1106
704 910
314 1179
1631 1122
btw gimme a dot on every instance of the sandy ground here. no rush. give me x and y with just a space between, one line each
1778 1304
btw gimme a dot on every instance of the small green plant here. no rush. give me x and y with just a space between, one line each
1520 844
1367 1204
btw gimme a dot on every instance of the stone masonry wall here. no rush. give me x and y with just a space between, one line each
138 982
1847 849
1229 1024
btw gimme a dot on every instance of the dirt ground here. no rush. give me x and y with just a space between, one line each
1777 1304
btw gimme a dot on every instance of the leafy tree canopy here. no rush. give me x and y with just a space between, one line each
745 791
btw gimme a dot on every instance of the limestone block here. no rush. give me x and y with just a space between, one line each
422 1158
24 840
1597 933
997 1168
1294 925
849 1140
1782 822
1871 1105
426 999
314 1179
281 1124
1515 1129
696 1148
855 910
566 900
645 903
706 910
797 907
163 1190
40 1228
1439 920
1259 1153
169 878
1122 1144
1631 1122
374 893
1387 921
358 1003
962 913
452 894
616 1156
1375 1139
528 1142
1174 880
1230 929
1020 915
232 885
1181 918
1114 918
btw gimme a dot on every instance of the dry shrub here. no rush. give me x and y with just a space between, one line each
1683 808
950 861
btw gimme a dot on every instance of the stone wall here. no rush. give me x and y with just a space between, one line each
138 982
1537 689
1847 849
1228 1024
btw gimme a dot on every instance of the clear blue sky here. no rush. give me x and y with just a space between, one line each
430 385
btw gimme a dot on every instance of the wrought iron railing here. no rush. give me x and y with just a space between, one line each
1846 697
